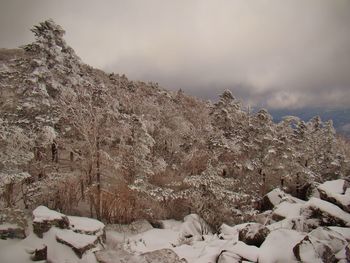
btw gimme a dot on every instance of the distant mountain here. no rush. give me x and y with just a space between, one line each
340 117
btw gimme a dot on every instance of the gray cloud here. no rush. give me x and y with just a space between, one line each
279 54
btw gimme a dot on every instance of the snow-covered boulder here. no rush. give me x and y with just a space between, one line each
194 228
44 219
39 253
286 210
299 224
275 197
334 240
278 246
227 232
80 243
336 192
239 252
326 213
253 234
227 256
88 226
11 231
311 250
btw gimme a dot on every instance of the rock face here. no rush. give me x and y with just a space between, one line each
253 234
45 218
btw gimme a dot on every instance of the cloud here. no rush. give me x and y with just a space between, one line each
278 54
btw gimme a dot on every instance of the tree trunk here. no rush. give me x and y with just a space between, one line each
98 178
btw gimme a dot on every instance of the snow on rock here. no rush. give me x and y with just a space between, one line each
242 250
275 197
193 228
11 231
278 246
89 226
311 250
227 256
80 243
227 232
44 219
253 234
333 239
344 231
335 192
327 213
286 210
299 224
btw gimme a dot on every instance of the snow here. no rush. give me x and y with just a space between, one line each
42 213
75 239
344 231
8 226
335 186
329 208
18 252
288 210
85 224
278 246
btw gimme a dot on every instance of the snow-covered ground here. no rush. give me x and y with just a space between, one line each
293 231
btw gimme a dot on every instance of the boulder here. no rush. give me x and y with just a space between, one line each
312 250
88 226
193 228
326 213
253 234
44 219
39 254
227 256
239 251
275 197
335 192
278 246
80 243
286 210
299 224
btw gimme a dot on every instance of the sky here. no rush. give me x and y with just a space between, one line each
277 54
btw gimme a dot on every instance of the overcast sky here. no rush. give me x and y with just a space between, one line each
279 54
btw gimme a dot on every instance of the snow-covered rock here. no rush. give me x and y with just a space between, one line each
253 234
88 226
275 197
335 192
193 228
278 246
44 219
80 243
286 210
326 213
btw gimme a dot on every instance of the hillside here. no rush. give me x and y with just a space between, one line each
85 142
